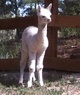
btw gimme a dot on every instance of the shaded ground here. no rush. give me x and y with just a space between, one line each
68 47
56 83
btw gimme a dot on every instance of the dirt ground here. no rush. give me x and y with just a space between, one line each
68 47
55 83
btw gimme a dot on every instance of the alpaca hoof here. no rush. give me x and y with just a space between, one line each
34 79
29 84
21 84
41 84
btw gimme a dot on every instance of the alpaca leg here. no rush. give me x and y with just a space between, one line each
24 56
40 57
40 76
32 62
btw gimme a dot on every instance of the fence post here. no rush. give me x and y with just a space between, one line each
53 29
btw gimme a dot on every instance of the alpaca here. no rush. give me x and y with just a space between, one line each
34 45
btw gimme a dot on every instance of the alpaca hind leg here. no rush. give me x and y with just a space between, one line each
32 62
40 57
24 56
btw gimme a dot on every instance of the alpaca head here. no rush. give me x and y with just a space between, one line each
44 14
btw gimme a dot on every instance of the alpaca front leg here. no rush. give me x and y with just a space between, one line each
32 62
40 75
40 58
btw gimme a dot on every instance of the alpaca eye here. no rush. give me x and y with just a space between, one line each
43 16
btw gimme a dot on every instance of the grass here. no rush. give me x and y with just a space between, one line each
56 83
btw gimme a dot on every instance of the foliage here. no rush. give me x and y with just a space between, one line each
9 45
17 7
67 32
70 7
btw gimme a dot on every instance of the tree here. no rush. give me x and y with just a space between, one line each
17 7
70 7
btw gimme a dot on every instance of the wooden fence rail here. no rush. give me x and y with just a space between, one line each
66 21
19 22
57 21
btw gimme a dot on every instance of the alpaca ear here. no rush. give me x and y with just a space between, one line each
49 7
39 8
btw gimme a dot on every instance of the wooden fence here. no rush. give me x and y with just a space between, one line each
51 61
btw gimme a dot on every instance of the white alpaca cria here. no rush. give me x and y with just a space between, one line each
34 45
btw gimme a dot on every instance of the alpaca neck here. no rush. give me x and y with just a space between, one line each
42 31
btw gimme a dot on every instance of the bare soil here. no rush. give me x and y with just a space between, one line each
68 47
55 83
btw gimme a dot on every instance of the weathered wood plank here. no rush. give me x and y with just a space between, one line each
57 21
19 22
62 64
9 64
49 63
66 21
